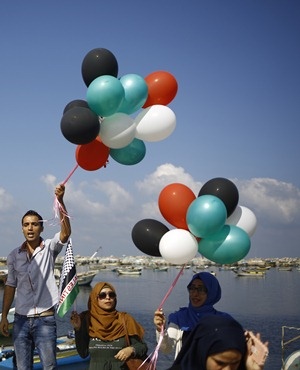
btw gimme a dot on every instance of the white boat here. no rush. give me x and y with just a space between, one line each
3 276
131 270
285 268
85 278
292 361
160 268
66 354
250 273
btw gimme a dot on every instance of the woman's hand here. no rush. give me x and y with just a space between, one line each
159 320
257 351
75 320
125 353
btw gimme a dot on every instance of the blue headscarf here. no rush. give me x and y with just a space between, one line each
213 334
188 317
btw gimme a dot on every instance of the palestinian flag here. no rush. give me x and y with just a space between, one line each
68 287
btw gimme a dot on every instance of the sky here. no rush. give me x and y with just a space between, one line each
237 114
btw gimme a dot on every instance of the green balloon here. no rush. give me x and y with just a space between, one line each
130 154
105 95
227 246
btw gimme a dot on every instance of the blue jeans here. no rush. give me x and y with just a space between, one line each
31 333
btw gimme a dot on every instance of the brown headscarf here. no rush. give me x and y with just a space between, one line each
108 325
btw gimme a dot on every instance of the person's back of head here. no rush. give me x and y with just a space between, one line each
212 335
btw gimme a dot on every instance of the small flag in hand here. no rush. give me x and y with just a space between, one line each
68 287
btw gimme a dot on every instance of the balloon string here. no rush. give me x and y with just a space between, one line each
171 288
153 357
70 174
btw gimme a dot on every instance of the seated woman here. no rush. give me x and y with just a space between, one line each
100 332
216 343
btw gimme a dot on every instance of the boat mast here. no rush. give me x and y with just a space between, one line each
94 254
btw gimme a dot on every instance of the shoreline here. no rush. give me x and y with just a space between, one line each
149 261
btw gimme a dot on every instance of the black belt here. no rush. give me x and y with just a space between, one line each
42 314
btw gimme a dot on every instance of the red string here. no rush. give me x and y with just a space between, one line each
71 173
153 357
171 288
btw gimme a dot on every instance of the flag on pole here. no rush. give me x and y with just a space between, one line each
68 286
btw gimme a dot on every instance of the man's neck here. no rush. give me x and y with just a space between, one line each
31 246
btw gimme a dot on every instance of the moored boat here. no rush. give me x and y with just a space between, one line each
250 273
131 270
86 278
66 355
285 268
160 268
3 276
292 361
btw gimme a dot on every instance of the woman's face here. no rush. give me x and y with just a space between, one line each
107 299
228 360
198 293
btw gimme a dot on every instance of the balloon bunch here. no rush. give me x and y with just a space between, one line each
212 224
102 126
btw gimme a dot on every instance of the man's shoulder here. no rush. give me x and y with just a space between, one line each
15 251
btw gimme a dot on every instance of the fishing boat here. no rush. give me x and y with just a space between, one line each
130 270
250 273
3 276
66 354
285 268
86 278
292 361
160 268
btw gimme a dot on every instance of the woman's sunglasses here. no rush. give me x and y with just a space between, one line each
103 295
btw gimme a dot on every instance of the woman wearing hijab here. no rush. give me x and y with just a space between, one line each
204 292
100 332
217 342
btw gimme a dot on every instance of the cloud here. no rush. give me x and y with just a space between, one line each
6 200
104 212
164 175
275 201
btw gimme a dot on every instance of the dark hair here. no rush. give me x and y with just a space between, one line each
33 213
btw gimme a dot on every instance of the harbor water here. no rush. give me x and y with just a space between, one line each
261 304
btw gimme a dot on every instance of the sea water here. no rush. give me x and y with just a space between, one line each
260 304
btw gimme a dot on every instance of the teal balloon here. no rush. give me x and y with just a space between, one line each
206 215
136 93
130 154
105 95
229 245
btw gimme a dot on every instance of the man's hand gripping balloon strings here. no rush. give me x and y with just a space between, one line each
60 211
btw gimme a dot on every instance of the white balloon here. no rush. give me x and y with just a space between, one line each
117 131
178 246
155 123
244 218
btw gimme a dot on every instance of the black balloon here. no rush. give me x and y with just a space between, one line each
76 103
225 190
146 235
80 125
98 62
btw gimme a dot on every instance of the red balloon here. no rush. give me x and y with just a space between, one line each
173 202
162 88
93 155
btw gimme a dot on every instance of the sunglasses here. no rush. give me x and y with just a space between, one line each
103 295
